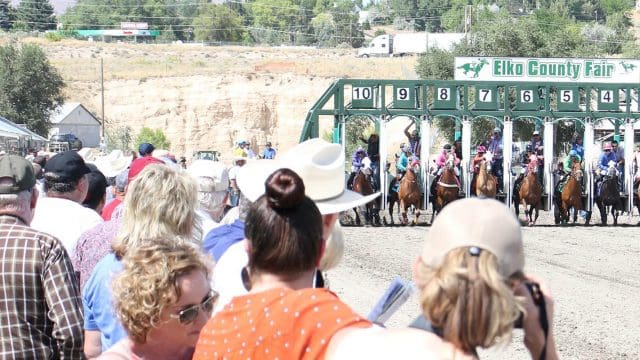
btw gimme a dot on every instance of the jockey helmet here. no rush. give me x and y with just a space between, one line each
529 148
406 148
402 145
536 132
481 149
447 147
573 153
360 150
497 130
606 146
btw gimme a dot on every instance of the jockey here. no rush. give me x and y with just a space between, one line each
495 142
403 162
570 159
480 151
536 140
441 161
606 156
496 168
356 164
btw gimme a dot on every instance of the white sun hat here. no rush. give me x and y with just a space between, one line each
320 164
113 164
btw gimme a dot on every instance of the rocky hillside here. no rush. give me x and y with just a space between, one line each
208 97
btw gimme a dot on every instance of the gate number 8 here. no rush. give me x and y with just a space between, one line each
361 93
444 94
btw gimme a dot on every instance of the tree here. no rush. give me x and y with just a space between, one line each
30 87
119 138
35 15
155 137
5 15
218 23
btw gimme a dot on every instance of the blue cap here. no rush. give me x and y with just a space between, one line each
573 153
145 149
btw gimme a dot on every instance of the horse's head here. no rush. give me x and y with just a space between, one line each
612 170
488 158
576 171
451 161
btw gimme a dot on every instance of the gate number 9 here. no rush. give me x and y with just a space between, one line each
402 93
362 93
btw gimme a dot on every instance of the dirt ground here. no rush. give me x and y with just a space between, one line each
593 272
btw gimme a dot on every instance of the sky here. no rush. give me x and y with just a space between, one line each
59 6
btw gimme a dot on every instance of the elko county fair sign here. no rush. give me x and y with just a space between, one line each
621 71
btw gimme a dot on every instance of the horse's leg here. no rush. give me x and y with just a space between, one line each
603 212
537 210
355 210
614 213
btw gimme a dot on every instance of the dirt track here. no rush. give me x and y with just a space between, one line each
594 273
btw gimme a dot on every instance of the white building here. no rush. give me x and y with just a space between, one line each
74 118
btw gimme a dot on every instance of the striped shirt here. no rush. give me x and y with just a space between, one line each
40 304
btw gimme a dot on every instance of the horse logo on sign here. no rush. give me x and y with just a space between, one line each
473 67
627 67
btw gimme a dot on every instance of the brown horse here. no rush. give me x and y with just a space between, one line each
409 195
571 196
485 184
446 188
530 194
362 185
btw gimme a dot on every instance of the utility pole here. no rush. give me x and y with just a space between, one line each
102 92
467 17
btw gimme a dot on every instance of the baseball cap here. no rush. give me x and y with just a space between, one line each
19 170
139 164
484 223
67 165
146 149
211 169
536 132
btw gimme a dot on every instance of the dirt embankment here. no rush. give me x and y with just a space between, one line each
208 97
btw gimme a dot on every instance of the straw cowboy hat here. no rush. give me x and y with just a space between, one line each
320 165
113 164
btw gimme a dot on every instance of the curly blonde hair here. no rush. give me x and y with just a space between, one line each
468 299
160 203
148 283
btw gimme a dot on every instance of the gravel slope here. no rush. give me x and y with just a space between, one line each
593 272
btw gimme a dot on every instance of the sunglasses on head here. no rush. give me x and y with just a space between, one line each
189 315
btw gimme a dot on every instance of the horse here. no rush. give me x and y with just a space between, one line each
609 195
485 183
530 193
392 200
409 194
446 187
571 196
362 185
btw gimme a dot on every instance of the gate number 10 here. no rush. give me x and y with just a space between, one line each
362 93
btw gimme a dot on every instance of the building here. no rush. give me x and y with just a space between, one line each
74 118
18 139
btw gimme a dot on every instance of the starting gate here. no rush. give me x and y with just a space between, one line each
467 101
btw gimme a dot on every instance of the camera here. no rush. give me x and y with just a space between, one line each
538 300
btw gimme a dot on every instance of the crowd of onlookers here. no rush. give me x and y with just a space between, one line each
148 260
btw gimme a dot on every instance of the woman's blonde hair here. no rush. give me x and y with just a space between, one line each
161 202
468 299
148 283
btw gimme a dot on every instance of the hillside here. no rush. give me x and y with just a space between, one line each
207 97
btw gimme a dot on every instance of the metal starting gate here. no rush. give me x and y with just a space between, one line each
423 101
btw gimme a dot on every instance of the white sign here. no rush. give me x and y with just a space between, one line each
134 26
621 71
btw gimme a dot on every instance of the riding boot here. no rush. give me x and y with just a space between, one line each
432 188
350 181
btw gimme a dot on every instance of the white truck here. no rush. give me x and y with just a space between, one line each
409 44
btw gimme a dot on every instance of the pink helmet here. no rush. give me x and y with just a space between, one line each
481 149
606 146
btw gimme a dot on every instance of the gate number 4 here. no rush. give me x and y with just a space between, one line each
606 96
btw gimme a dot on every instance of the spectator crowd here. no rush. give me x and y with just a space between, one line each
143 259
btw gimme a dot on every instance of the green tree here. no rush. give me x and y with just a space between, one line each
5 15
218 23
30 87
155 137
275 20
345 18
324 29
436 64
119 138
35 15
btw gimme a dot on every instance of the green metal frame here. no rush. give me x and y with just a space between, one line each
465 106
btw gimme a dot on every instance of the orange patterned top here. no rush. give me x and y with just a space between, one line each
276 324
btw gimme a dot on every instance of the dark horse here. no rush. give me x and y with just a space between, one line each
392 199
571 196
530 193
409 195
446 188
609 196
362 185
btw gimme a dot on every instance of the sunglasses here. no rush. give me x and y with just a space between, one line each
189 315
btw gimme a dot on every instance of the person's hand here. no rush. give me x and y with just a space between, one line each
534 336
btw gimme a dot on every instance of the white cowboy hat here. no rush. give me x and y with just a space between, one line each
320 165
113 164
211 169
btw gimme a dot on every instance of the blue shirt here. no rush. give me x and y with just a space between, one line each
218 240
579 149
605 157
403 162
269 153
99 314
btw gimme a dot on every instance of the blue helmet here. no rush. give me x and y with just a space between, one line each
573 152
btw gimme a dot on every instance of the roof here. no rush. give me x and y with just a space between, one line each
61 112
9 129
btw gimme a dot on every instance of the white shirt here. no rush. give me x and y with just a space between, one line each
226 279
64 219
233 172
206 222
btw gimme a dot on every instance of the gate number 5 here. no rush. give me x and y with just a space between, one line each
566 96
